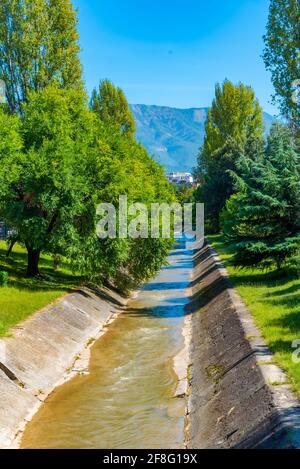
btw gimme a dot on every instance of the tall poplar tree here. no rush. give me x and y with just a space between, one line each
282 56
111 105
234 126
38 46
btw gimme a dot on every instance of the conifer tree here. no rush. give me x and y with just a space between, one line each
262 219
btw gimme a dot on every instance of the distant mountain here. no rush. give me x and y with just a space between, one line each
173 136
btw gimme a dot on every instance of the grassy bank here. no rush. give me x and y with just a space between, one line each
24 296
274 301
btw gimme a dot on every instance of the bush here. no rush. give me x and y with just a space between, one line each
3 278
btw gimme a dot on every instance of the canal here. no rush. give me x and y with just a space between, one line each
127 399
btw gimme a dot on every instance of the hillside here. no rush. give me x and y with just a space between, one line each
173 136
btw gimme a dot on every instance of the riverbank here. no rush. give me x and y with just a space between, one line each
23 296
183 362
273 297
238 397
44 351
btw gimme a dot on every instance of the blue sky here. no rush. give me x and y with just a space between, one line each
172 52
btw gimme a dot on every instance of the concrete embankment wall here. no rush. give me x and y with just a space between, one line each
237 397
44 351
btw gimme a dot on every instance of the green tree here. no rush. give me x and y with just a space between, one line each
216 186
59 158
111 105
282 55
235 113
234 126
38 46
262 219
185 193
44 193
123 167
58 161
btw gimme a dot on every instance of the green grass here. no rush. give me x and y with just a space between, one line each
274 301
23 296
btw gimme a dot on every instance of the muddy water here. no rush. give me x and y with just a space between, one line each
127 399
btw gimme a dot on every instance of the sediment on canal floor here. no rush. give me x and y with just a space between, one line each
237 397
47 349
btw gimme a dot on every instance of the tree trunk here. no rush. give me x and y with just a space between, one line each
33 262
11 246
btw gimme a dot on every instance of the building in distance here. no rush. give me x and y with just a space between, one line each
178 178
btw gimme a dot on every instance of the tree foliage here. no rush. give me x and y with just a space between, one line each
111 105
282 55
44 193
60 157
234 126
262 219
58 162
235 113
123 167
38 46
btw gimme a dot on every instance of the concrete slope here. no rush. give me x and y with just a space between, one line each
42 351
237 397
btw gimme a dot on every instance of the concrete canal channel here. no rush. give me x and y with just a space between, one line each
128 398
182 365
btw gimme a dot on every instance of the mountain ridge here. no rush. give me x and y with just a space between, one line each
173 136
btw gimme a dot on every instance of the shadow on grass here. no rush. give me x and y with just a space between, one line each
281 346
51 279
288 291
290 301
290 322
271 279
